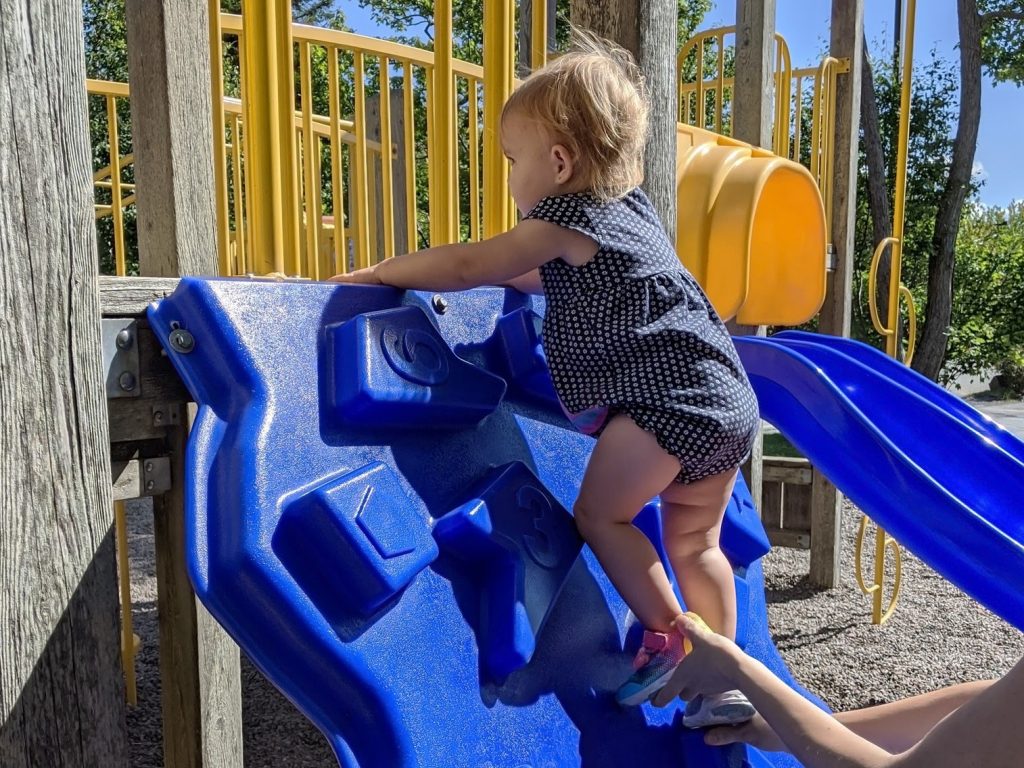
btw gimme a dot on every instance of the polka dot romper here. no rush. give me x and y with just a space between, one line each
632 332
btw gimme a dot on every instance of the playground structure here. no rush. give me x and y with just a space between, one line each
180 234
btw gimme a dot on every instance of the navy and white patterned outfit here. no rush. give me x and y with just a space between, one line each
632 332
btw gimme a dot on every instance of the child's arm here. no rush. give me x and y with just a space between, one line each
528 283
461 266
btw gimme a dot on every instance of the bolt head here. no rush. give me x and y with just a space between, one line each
182 341
126 381
149 466
150 485
124 339
440 304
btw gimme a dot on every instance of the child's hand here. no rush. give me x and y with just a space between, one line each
756 733
367 276
711 667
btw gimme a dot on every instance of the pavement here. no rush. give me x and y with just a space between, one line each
1009 413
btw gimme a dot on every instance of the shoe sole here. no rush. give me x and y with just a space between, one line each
727 714
644 694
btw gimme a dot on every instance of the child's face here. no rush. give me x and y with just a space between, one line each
537 166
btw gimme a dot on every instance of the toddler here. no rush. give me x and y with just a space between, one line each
638 355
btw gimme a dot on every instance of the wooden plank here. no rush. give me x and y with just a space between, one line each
771 505
753 96
130 296
790 475
172 124
62 698
796 507
754 87
172 133
398 201
847 35
199 664
789 539
826 527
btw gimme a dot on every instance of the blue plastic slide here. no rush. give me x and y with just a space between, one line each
377 510
944 480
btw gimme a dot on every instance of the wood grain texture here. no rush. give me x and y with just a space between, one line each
172 130
172 123
61 687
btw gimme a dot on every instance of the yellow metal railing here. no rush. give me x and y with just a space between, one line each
897 292
706 95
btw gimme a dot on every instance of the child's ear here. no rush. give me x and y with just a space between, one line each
562 163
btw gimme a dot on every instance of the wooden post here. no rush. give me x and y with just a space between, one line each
753 103
61 689
847 44
168 64
647 29
398 202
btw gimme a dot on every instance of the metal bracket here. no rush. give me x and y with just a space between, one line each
136 478
166 415
830 257
121 357
843 65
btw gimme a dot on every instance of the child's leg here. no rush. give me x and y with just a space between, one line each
627 469
691 523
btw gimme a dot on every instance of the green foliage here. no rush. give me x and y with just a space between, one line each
1001 52
988 297
933 114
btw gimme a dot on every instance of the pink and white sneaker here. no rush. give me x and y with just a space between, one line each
658 657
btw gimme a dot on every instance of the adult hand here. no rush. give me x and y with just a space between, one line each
711 667
756 733
367 276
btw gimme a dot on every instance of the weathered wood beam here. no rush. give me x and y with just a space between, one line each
61 688
172 124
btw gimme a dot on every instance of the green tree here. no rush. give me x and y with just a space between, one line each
991 34
987 331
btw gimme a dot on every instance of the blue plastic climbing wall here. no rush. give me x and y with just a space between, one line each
377 495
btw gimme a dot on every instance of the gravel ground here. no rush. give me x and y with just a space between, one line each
938 636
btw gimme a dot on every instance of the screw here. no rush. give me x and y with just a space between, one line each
158 417
150 485
182 341
149 466
126 381
124 339
439 303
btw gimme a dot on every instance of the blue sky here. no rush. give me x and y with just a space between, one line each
804 24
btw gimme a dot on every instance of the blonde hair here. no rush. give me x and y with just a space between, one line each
593 100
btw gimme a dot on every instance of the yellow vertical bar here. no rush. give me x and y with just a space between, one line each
539 34
310 205
116 212
410 159
497 86
456 206
444 123
360 223
720 85
433 201
700 81
900 192
474 159
124 582
511 215
269 111
236 168
247 234
220 160
387 178
798 111
324 256
815 140
338 205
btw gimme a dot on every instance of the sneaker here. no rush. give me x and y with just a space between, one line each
728 708
654 664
